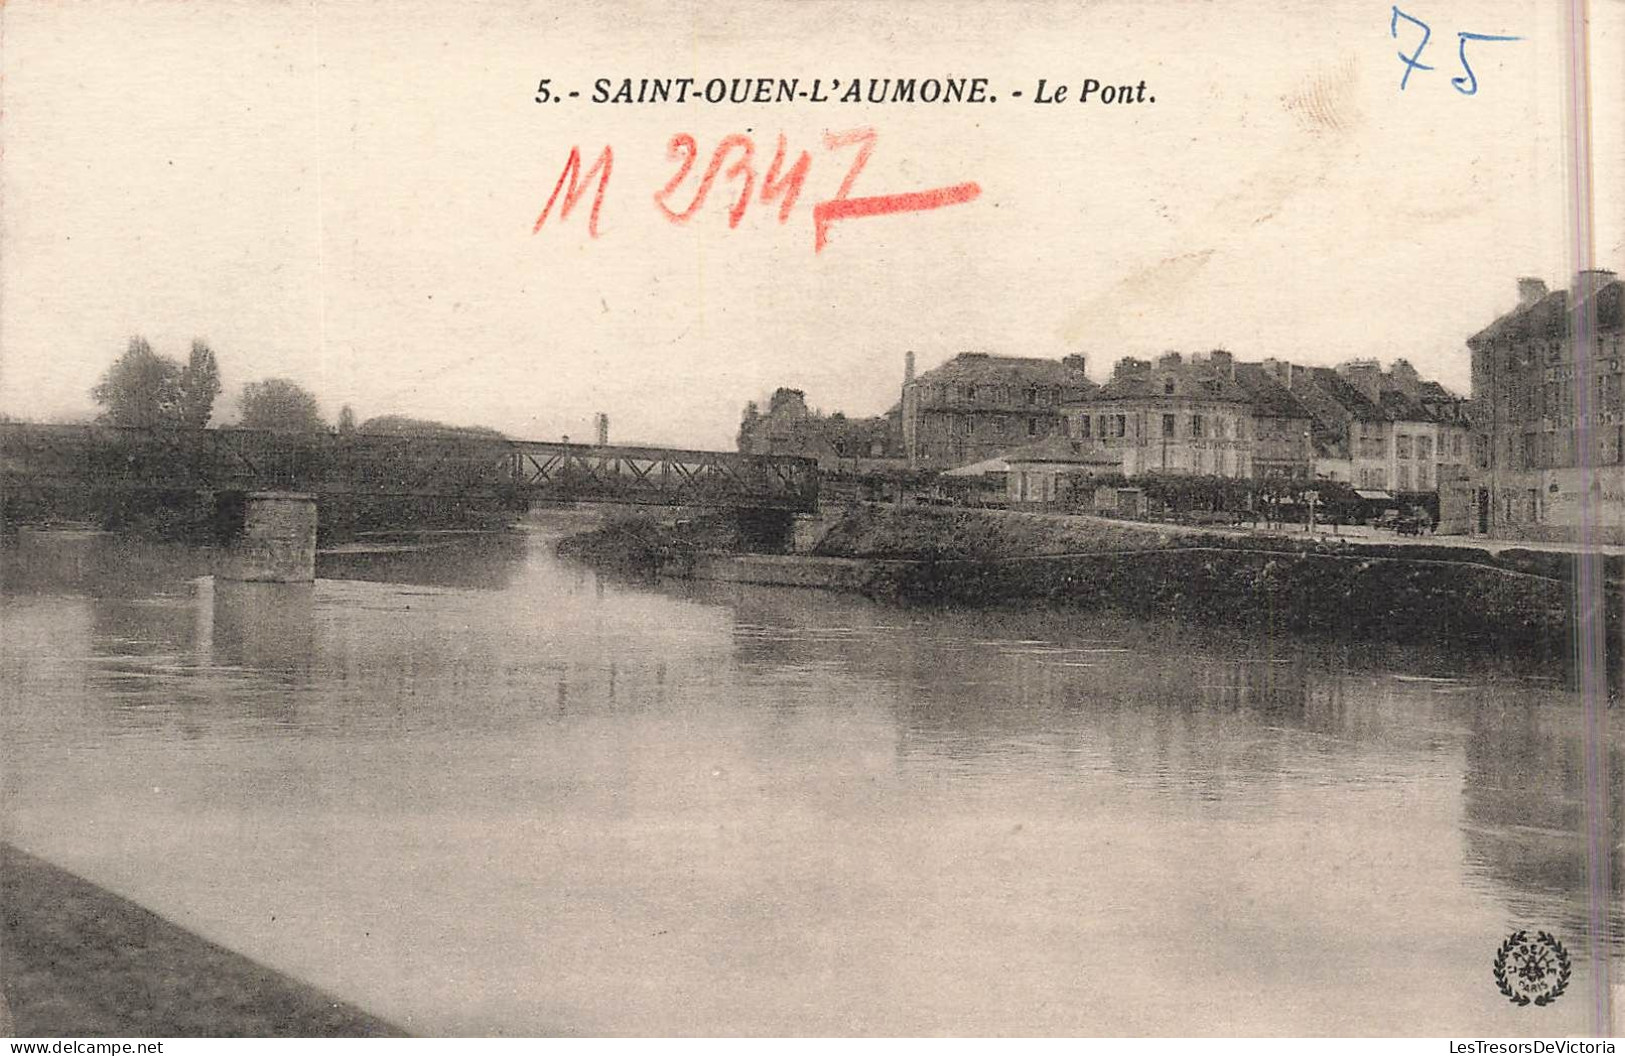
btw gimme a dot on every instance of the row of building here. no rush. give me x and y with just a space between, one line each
1543 430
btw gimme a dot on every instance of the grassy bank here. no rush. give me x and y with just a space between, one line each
644 545
1518 598
76 960
1365 589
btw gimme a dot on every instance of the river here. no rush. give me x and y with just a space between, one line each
481 790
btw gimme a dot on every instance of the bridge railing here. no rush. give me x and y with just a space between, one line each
664 476
358 464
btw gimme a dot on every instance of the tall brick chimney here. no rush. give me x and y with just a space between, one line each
908 367
1530 291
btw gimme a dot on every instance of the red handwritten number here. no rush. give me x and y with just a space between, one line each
779 184
789 185
685 143
578 187
742 167
842 207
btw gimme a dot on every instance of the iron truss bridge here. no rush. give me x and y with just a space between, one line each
91 459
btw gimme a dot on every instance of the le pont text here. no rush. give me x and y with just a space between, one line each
759 91
740 174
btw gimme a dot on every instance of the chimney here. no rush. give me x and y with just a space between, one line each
1130 367
1404 377
602 422
1363 374
1169 359
1587 283
1078 363
908 367
1530 291
1223 362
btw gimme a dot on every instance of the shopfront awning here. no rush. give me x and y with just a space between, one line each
1378 495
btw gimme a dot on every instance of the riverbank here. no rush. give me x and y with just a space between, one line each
80 961
1363 588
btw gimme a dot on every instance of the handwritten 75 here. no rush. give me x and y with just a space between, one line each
1467 85
735 161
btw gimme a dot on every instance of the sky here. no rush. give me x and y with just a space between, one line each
345 194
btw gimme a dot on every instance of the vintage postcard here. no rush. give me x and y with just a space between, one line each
1086 518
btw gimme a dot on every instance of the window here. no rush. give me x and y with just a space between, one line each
1404 478
1424 479
1424 448
1119 425
1032 397
1455 445
1402 446
1032 427
1083 427
1196 426
1168 386
1168 423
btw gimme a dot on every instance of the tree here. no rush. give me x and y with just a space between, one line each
401 425
199 385
281 406
141 388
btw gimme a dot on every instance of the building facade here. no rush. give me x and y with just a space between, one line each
1177 415
976 406
1283 428
789 427
1548 412
1349 427
1054 470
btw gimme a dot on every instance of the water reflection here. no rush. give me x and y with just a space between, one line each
1526 814
269 627
472 562
699 808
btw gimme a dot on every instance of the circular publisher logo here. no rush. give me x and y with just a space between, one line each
1532 969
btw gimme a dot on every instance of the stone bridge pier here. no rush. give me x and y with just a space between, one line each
267 536
766 531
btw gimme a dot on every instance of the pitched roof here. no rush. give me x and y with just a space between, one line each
979 367
1335 387
1398 407
978 469
1270 398
1198 379
1060 449
1549 316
